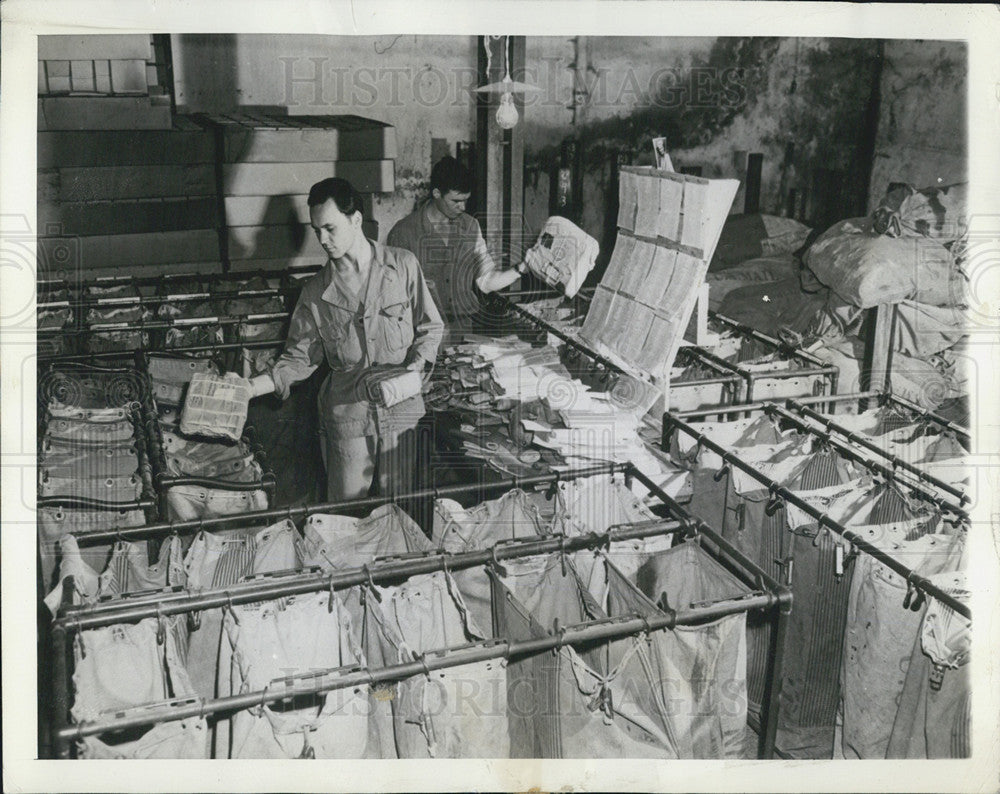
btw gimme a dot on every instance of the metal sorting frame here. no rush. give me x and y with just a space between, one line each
780 493
895 460
167 279
730 380
811 365
163 480
801 405
148 501
289 286
768 595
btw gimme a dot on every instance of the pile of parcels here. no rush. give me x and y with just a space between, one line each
618 698
523 412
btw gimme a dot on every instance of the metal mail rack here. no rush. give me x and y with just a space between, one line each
763 595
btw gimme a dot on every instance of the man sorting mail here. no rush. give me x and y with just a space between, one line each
370 315
450 246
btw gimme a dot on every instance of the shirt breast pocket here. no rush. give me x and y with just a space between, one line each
396 324
337 340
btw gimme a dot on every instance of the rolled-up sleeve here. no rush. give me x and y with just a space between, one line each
303 351
428 327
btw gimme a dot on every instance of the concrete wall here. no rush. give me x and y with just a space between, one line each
419 84
810 106
923 125
805 104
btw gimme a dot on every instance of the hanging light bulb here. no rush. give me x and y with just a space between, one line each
507 115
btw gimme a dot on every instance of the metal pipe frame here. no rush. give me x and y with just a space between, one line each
889 397
382 570
727 376
760 406
781 609
74 358
368 503
166 324
775 598
576 344
780 493
146 301
846 451
179 278
895 460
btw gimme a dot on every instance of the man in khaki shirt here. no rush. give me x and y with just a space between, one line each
368 312
450 246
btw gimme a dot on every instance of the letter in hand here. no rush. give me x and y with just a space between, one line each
260 385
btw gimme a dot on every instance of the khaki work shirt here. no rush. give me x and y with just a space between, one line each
397 324
453 255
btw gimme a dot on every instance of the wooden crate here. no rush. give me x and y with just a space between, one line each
281 242
78 148
125 182
256 179
128 250
278 209
129 216
102 113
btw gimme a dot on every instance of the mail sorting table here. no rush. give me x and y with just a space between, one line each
854 503
696 380
523 642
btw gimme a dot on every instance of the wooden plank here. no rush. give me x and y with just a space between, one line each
125 182
101 113
128 250
76 148
248 145
255 179
128 77
129 217
877 359
94 47
288 241
276 210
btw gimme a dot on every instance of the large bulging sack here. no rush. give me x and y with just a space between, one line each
938 212
563 255
866 269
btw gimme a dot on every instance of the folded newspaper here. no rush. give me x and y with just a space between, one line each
216 405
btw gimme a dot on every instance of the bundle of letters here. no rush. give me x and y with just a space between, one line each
88 451
203 439
188 309
520 408
114 318
872 667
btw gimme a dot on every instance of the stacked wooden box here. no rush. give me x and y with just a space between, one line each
136 202
268 162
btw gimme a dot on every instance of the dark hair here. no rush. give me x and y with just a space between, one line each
347 199
449 174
